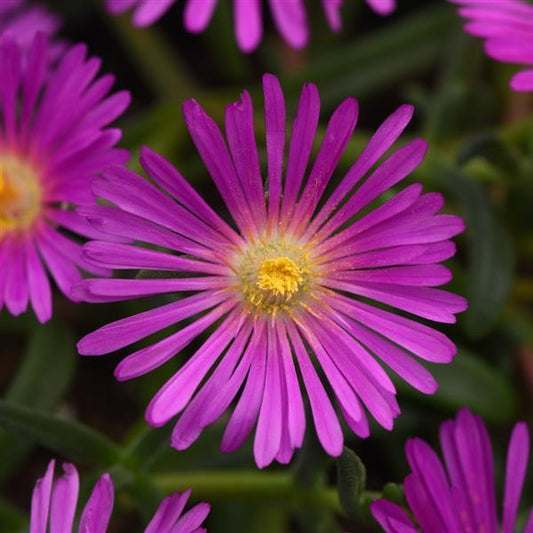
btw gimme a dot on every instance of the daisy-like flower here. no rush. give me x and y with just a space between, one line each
287 288
53 141
460 495
289 16
53 507
507 28
22 21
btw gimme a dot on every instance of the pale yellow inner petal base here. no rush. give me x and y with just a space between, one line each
20 194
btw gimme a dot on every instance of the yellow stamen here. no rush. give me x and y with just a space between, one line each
20 194
280 275
274 275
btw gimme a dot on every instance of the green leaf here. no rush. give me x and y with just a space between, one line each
71 439
490 253
470 382
351 481
41 382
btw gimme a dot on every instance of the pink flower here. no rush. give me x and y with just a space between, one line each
22 21
53 507
459 496
53 141
507 28
289 16
285 285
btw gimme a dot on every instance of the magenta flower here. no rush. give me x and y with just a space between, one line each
459 496
53 507
286 288
53 141
289 16
22 21
507 28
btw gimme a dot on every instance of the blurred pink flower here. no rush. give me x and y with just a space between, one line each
53 507
459 496
53 140
507 28
289 16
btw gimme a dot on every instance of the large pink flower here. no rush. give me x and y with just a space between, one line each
53 141
289 15
53 507
287 285
459 496
507 28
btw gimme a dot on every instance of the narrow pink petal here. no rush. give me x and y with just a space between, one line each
64 500
125 331
523 81
97 511
302 138
295 405
381 141
382 7
325 419
40 501
332 9
164 174
212 148
16 292
168 513
192 519
391 517
243 148
515 473
153 356
269 425
248 23
148 12
38 284
197 14
291 21
248 407
178 390
338 132
275 128
191 422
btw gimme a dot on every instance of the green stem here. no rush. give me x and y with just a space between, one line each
267 486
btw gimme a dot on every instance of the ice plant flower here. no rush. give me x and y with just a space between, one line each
22 21
290 17
460 495
507 29
53 141
53 507
286 288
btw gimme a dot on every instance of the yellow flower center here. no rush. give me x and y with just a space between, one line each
20 194
281 276
274 275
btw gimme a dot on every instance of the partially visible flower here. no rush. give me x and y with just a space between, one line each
53 507
286 285
22 21
460 495
290 16
507 28
53 141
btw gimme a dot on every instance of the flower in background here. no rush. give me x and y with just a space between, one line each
290 17
287 289
459 496
53 507
53 141
507 28
22 21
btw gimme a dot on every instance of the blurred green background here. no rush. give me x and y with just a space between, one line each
58 404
